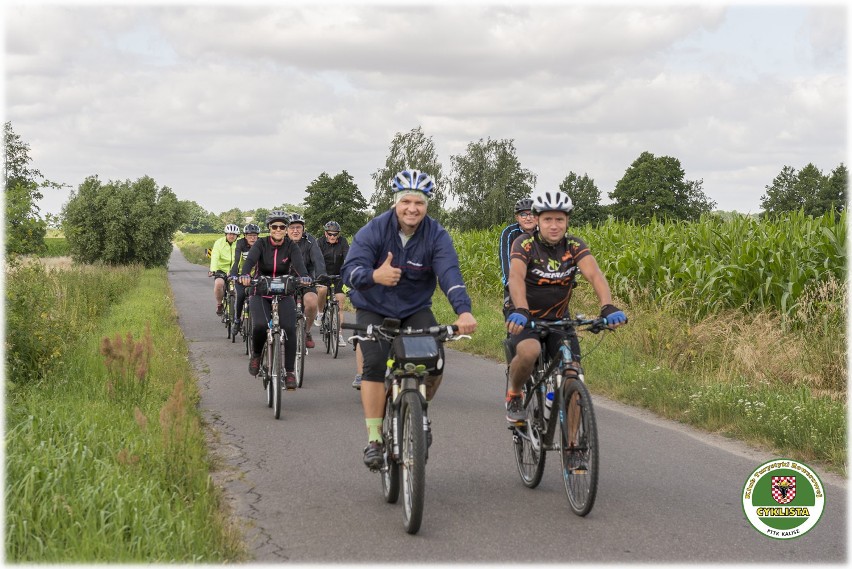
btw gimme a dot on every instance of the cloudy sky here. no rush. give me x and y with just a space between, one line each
243 106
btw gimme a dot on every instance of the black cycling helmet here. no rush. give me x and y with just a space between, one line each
251 228
296 218
277 215
523 205
332 226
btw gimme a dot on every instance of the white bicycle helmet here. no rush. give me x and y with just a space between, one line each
413 180
232 228
552 201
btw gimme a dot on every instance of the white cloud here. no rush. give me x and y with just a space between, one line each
245 106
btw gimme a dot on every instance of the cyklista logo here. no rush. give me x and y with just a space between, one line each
787 482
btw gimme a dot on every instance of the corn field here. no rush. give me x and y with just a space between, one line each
699 268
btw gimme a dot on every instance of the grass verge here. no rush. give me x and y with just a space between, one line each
105 456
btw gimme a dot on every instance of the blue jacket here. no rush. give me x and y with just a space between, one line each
427 255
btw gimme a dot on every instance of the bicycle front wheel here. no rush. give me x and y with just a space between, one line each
266 373
301 351
247 329
412 461
529 454
579 446
229 311
390 471
277 376
334 324
325 329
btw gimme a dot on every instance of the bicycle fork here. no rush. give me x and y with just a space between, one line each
398 387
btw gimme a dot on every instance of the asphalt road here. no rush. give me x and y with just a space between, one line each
667 493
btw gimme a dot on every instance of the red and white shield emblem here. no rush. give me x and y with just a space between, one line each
783 489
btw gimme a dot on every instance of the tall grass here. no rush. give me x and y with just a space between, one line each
97 473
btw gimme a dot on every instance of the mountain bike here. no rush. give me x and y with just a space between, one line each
413 352
330 324
272 371
246 324
560 416
227 301
301 335
230 308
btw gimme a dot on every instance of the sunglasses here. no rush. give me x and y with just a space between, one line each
525 214
277 226
332 233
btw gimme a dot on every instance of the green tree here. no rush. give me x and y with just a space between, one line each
336 199
834 192
25 229
782 195
656 187
412 150
233 215
199 220
487 181
121 223
586 198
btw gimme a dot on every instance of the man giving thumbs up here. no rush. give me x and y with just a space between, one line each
393 266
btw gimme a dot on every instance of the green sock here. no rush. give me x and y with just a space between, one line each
374 430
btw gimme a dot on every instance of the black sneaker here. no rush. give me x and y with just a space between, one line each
577 462
237 327
374 455
254 365
290 381
515 412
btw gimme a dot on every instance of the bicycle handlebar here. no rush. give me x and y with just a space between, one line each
390 328
593 325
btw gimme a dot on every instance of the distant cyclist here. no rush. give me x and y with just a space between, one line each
251 231
221 259
315 264
334 248
524 223
542 275
273 256
394 265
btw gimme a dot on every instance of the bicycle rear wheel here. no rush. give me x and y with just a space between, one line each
579 446
277 382
529 453
390 472
412 461
301 350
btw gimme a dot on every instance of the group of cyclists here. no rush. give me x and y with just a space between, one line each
391 270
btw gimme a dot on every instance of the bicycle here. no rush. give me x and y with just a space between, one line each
246 324
330 324
227 301
413 352
301 335
272 356
560 416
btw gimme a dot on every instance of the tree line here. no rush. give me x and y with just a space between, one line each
119 222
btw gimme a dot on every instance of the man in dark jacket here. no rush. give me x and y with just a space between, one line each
393 266
334 248
315 263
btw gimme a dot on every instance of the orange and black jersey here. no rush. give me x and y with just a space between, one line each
551 270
